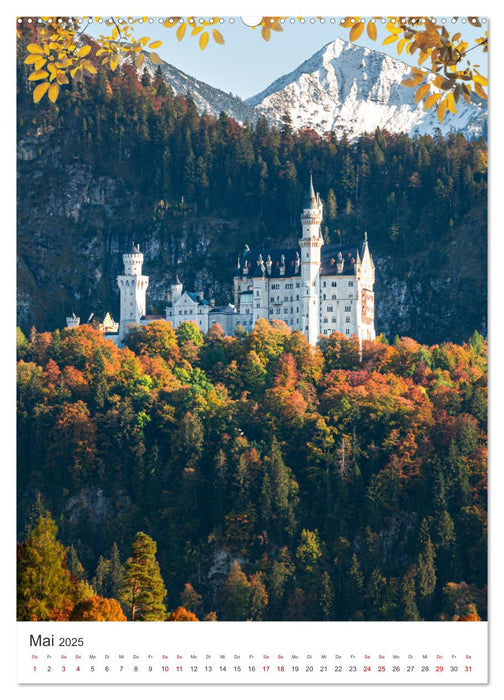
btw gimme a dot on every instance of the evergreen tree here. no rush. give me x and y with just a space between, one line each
327 597
143 591
44 583
427 576
409 609
235 595
190 599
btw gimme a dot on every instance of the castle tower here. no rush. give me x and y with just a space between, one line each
72 321
133 289
176 289
311 242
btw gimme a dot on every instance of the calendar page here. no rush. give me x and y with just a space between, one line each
252 349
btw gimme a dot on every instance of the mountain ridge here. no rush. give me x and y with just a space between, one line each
342 87
352 89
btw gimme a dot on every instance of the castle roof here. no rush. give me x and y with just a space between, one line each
311 199
350 254
196 298
251 257
226 309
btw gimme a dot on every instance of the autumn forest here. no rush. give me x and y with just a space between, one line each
255 477
259 477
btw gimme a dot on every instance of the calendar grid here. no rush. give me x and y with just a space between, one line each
264 653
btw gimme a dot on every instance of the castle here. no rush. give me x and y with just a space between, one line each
315 288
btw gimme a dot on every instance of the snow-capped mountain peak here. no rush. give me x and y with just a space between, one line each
352 89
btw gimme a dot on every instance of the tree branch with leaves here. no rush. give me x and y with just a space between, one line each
62 51
450 74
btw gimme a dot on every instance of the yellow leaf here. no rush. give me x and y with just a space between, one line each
393 28
421 92
356 31
38 75
371 30
40 91
155 44
477 79
412 82
196 30
400 45
90 68
33 58
171 22
62 78
139 60
431 100
203 41
114 62
53 92
217 36
450 103
479 91
424 55
441 110
34 48
83 51
390 39
155 58
181 31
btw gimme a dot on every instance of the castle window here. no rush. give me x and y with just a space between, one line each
324 284
333 297
323 297
350 295
330 308
347 319
333 319
350 283
325 320
348 308
334 284
347 331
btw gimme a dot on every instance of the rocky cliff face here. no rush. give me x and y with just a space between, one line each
75 225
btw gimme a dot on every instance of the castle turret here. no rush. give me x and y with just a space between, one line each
133 290
311 243
176 289
72 321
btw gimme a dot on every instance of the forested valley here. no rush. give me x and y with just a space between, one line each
261 478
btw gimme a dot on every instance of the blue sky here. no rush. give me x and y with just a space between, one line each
247 64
